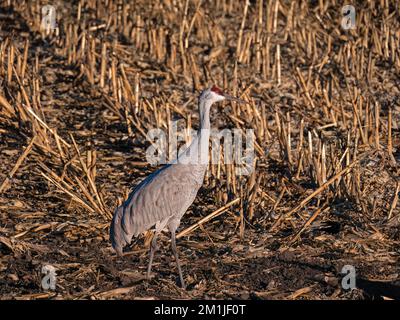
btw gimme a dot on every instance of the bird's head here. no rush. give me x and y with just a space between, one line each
215 94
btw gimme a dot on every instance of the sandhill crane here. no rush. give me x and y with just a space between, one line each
165 195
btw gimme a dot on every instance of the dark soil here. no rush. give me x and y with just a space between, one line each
40 225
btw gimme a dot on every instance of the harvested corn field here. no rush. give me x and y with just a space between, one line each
83 82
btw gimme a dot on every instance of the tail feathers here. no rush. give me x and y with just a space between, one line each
127 226
118 236
132 222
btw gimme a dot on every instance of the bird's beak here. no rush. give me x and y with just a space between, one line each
228 97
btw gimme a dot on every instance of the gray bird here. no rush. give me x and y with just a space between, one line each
164 196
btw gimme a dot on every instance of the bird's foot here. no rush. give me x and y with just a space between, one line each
149 276
183 285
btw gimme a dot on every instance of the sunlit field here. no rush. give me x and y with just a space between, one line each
315 215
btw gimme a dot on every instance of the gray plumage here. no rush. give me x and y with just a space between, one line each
164 196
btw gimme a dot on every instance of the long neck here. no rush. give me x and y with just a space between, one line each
204 133
204 110
197 153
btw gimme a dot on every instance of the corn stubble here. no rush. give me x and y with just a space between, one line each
76 104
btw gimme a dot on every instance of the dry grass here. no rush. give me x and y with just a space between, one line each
76 104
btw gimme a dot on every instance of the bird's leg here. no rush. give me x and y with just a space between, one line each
153 248
173 245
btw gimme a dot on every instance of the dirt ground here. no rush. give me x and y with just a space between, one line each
250 251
